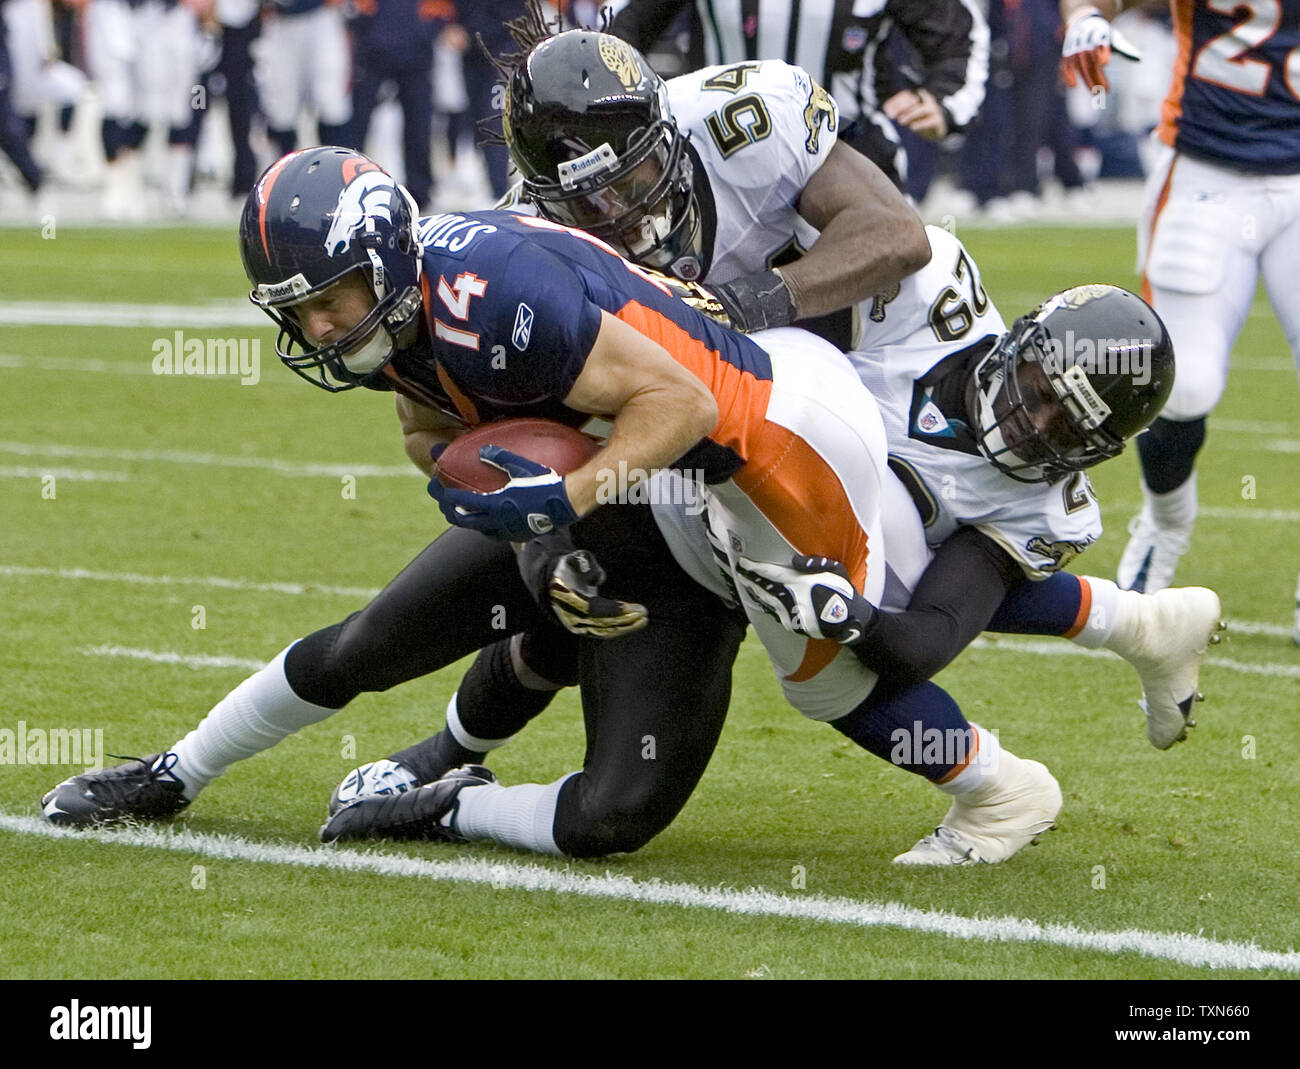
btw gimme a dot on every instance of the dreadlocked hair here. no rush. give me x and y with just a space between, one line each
528 31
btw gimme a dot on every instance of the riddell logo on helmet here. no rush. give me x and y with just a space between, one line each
1109 356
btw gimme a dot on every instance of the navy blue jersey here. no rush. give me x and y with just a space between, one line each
1235 96
514 304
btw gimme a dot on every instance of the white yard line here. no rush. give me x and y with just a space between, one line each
1049 647
219 460
1180 947
215 581
73 474
188 660
231 313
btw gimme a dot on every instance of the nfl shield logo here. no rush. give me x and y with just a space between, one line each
523 327
855 37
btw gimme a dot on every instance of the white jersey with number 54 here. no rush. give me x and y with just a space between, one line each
761 130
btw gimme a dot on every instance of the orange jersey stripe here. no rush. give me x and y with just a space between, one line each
1161 201
1085 607
742 399
798 491
957 770
1172 109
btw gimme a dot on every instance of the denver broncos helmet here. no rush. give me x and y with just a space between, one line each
1070 382
312 218
587 122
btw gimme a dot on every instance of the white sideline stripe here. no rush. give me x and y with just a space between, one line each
72 474
1257 627
220 460
232 313
1245 426
1059 648
219 582
1180 947
117 367
189 660
1218 512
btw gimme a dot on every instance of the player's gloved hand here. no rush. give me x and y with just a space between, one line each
813 596
534 501
567 580
575 600
756 302
1089 40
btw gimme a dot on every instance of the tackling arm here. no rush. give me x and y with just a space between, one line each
871 238
954 601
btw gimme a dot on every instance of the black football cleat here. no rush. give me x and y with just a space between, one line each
414 814
144 789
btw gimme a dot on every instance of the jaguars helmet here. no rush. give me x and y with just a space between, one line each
588 125
314 217
1071 382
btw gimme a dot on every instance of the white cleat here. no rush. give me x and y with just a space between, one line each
989 824
1151 556
378 777
1164 636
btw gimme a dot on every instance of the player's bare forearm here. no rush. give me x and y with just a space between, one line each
871 238
422 429
660 410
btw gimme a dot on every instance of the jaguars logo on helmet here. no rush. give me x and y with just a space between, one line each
590 130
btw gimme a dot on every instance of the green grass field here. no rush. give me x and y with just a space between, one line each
173 476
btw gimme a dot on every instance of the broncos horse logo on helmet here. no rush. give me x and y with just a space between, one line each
313 218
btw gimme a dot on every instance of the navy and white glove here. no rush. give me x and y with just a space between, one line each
1089 40
813 596
532 503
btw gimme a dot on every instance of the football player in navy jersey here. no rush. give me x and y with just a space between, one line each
1222 210
329 241
722 211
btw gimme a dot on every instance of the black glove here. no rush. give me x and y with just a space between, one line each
755 302
567 581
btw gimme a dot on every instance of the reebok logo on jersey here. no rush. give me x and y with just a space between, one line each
931 421
834 611
523 327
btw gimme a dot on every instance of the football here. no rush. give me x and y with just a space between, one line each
545 441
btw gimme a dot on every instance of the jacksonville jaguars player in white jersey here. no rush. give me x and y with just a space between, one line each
723 203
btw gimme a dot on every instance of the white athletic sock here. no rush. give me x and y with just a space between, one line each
180 162
523 816
1176 510
253 717
980 767
458 732
1103 600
